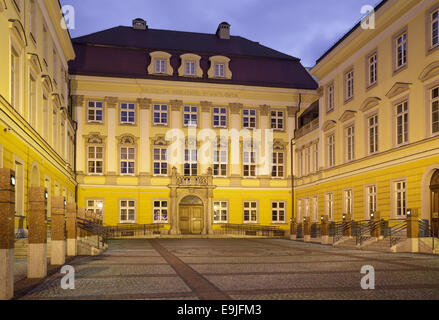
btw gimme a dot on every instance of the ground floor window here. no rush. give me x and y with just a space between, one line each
330 205
127 211
95 207
250 211
371 200
160 211
400 199
278 212
220 211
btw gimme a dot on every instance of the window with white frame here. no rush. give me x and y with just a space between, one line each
372 69
219 70
278 211
190 162
349 85
299 215
435 110
249 118
299 163
348 201
350 143
95 159
371 199
160 162
127 211
316 157
190 68
307 208
307 162
249 160
32 101
372 123
95 207
330 141
434 28
127 160
277 120
160 211
220 211
220 156
160 65
329 197
278 165
250 212
219 117
127 113
160 115
400 198
401 50
330 95
95 111
402 123
190 116
315 209
15 79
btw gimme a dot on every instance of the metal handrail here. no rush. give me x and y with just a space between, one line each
427 231
245 229
396 233
366 227
340 228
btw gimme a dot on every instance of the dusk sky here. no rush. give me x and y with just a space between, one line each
301 28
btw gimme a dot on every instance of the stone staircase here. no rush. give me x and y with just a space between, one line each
21 248
426 245
381 245
346 243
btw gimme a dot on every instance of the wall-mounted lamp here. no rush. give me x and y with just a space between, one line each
372 215
65 203
321 218
409 212
46 195
344 216
13 182
291 220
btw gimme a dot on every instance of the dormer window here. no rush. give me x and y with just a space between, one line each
219 70
219 67
160 66
189 68
160 63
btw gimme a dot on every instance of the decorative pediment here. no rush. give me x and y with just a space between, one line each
279 144
95 138
45 79
328 125
127 139
369 103
348 114
397 89
3 6
35 62
430 71
18 29
159 141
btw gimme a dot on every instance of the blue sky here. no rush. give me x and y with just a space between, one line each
301 28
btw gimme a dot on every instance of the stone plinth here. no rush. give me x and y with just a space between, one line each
58 256
71 212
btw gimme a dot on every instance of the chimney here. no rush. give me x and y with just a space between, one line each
139 24
223 31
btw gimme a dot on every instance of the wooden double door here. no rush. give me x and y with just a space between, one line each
191 219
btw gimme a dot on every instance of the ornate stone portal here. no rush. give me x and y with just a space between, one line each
191 187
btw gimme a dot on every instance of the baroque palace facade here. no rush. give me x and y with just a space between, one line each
370 145
36 128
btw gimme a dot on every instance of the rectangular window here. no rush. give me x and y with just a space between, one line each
220 211
278 212
160 115
220 70
315 209
220 156
330 205
249 160
277 120
95 207
32 101
127 113
250 212
350 143
95 111
349 85
219 117
371 200
160 211
402 115
299 217
348 201
401 51
15 80
330 140
434 28
249 118
190 116
127 160
127 211
299 163
400 199
435 110
190 164
160 161
372 70
373 134
95 159
316 157
330 94
278 165
160 66
189 68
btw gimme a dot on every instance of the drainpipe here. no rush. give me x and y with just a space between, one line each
293 142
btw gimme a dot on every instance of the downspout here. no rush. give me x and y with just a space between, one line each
293 142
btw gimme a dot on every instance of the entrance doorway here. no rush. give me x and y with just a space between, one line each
434 188
191 212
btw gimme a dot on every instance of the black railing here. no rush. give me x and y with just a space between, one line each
398 233
340 229
133 230
426 230
253 230
364 230
299 231
94 229
316 231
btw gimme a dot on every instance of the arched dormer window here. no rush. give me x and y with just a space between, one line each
190 66
160 63
219 68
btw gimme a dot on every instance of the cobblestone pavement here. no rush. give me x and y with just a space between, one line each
242 269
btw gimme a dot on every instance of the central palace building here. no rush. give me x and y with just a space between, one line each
91 119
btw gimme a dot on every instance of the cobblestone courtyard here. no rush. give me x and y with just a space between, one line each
241 269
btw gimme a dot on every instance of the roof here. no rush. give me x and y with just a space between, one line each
251 63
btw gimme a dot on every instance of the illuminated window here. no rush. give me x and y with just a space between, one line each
95 159
160 162
220 211
95 111
127 211
402 115
160 211
250 212
127 113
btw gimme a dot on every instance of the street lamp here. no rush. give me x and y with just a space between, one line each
13 182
